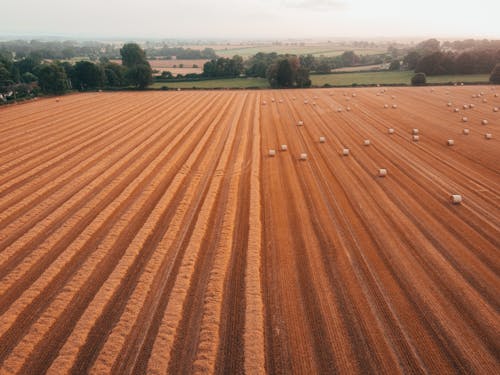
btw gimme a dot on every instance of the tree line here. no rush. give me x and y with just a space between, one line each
31 74
93 51
433 58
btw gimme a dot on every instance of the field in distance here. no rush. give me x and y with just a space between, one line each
155 232
318 80
317 49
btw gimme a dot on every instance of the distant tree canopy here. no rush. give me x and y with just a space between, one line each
132 55
428 46
52 78
495 74
458 57
287 73
473 62
223 67
140 76
349 58
395 65
411 60
139 72
256 66
88 75
114 74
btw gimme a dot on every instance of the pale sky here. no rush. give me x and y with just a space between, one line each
232 19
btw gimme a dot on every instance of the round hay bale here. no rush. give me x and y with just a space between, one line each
386 105
339 109
449 104
322 139
456 110
348 109
264 103
471 106
353 95
272 152
284 147
466 131
484 122
456 199
488 136
496 95
495 109
465 106
391 131
382 172
300 123
366 142
485 100
450 142
414 131
415 138
303 156
345 152
394 106
465 119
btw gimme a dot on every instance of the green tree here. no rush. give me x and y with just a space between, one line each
395 65
433 64
495 75
302 77
52 78
133 55
465 63
287 72
29 63
349 58
284 73
29 77
88 75
114 74
5 75
411 60
419 79
428 46
140 76
139 72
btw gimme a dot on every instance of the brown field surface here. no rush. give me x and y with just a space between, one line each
152 233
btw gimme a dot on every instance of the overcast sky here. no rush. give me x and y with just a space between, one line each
252 18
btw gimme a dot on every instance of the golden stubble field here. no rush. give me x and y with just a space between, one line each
153 233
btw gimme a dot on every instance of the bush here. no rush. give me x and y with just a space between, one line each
495 74
419 79
395 65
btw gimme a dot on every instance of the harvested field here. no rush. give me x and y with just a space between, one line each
152 233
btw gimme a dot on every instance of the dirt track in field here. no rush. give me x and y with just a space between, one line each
152 233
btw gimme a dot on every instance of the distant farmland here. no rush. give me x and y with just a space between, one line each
324 49
389 77
318 80
153 233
